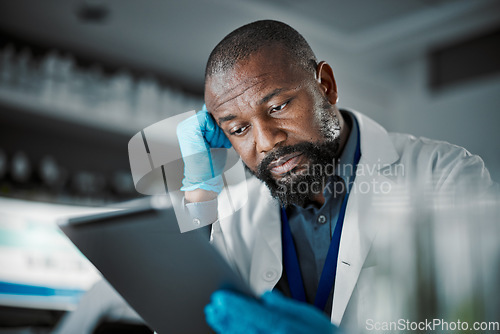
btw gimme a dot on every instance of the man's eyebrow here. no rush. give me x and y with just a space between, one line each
262 101
271 95
226 118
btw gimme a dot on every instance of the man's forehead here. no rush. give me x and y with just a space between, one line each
250 79
223 89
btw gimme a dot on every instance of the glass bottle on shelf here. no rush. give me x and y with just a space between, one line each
77 88
6 66
49 171
64 74
120 99
20 169
148 100
48 74
93 90
24 72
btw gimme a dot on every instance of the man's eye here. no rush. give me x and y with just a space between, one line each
280 107
238 131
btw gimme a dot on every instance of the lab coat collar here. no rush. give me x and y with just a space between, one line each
377 148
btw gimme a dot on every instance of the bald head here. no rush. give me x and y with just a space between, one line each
247 40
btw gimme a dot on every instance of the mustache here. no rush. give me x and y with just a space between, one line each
263 168
317 154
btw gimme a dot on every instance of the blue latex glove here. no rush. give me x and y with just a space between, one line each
232 313
200 140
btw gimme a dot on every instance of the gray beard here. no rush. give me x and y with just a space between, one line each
300 188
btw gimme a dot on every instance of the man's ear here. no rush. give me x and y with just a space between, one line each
326 81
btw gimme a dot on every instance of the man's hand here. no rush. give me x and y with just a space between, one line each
203 167
232 313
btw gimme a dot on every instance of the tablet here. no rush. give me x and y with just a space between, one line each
165 275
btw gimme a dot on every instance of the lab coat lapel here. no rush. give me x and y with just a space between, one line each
265 273
377 151
255 244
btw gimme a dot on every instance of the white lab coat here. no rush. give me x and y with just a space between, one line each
250 238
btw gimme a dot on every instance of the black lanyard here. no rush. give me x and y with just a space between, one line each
291 261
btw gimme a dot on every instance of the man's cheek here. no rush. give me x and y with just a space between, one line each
250 170
251 164
242 152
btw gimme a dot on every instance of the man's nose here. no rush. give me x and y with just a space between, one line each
267 134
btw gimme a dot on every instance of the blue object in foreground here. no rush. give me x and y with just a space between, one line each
233 313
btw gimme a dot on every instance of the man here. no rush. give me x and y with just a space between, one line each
301 231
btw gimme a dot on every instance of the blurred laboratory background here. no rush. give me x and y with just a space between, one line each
78 78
